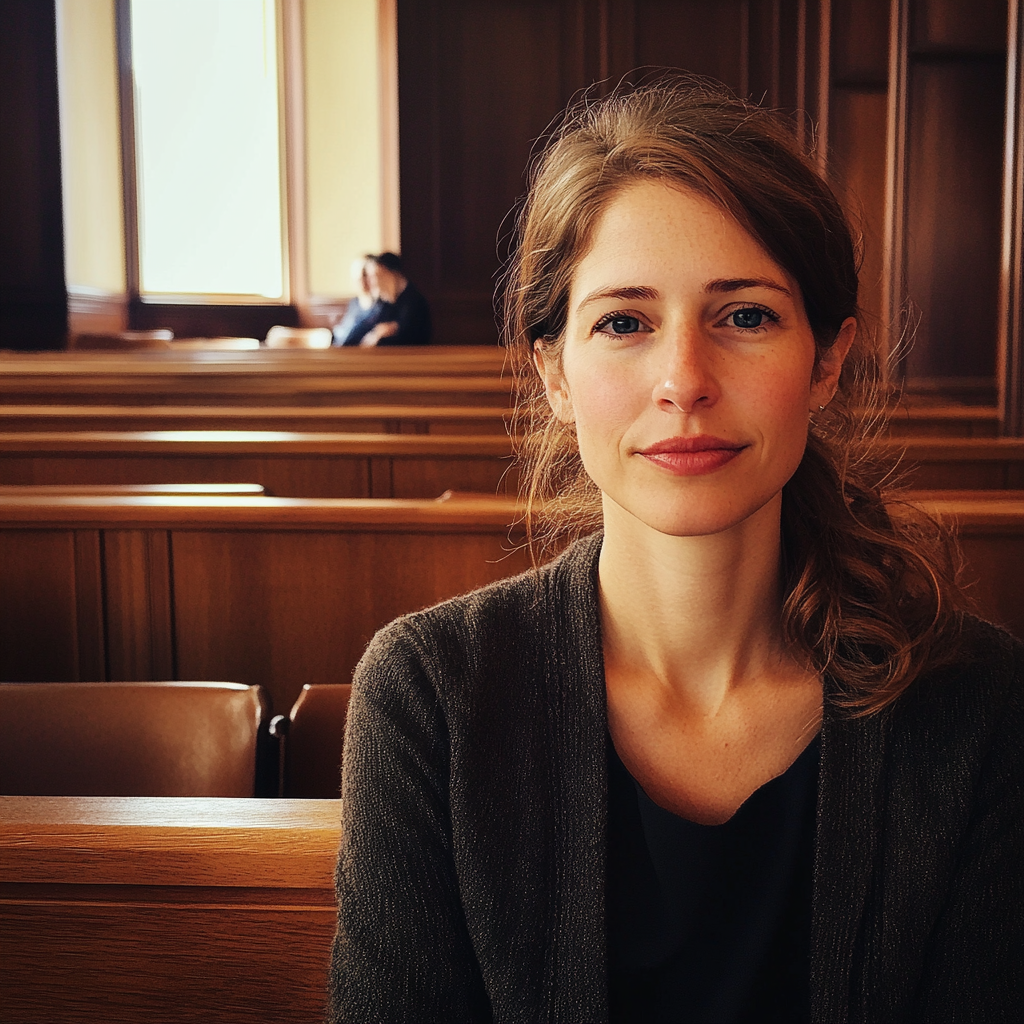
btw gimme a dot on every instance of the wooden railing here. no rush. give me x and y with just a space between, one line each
165 909
286 464
273 591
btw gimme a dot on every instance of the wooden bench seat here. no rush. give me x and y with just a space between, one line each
975 463
54 490
166 909
270 591
374 419
283 377
944 421
286 464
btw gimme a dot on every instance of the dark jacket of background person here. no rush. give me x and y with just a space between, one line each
471 880
410 311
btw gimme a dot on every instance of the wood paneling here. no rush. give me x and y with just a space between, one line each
165 910
140 630
294 608
859 56
480 83
953 212
279 592
38 606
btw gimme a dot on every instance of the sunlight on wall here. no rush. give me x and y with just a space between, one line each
90 146
343 145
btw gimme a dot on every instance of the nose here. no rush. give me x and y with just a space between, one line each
686 379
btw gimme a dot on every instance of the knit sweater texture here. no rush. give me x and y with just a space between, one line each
471 875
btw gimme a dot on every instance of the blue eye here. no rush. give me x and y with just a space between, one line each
623 325
749 318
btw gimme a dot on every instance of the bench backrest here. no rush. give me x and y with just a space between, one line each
129 739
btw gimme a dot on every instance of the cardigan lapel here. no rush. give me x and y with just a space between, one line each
577 965
849 820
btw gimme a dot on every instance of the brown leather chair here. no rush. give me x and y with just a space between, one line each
130 739
311 739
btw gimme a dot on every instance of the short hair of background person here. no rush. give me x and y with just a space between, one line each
858 563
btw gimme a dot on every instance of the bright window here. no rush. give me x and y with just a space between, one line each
208 148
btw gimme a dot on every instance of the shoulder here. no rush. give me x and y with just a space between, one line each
971 709
500 633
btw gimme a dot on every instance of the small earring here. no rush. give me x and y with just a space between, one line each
821 408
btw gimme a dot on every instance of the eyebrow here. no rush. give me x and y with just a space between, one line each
641 292
720 285
737 284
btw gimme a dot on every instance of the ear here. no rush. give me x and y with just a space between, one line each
830 365
554 383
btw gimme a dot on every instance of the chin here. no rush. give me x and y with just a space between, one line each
696 515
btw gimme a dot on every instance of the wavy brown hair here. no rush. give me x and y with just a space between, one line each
870 587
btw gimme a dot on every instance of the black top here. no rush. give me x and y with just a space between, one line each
412 313
711 924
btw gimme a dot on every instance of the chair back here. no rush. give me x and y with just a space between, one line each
298 337
130 739
313 741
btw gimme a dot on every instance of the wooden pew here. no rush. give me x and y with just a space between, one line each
274 591
944 421
55 490
165 909
283 377
319 465
977 463
372 419
990 527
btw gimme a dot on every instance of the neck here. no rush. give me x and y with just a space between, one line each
695 616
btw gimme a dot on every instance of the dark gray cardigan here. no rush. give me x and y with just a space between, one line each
471 877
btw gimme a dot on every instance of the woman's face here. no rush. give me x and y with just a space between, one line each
688 364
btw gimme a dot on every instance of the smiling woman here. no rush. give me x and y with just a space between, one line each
738 754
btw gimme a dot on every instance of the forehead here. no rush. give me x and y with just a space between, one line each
658 234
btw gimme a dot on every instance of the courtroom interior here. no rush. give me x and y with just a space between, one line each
207 509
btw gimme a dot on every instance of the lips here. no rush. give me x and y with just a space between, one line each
692 456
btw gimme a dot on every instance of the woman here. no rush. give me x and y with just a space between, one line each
736 755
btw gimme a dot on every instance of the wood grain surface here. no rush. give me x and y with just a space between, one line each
285 463
165 909
383 419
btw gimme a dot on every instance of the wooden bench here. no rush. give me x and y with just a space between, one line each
322 465
165 909
975 463
944 421
55 490
372 419
285 377
271 591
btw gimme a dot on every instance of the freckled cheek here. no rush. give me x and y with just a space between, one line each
782 399
604 405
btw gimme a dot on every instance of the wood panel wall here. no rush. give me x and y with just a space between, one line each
479 84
